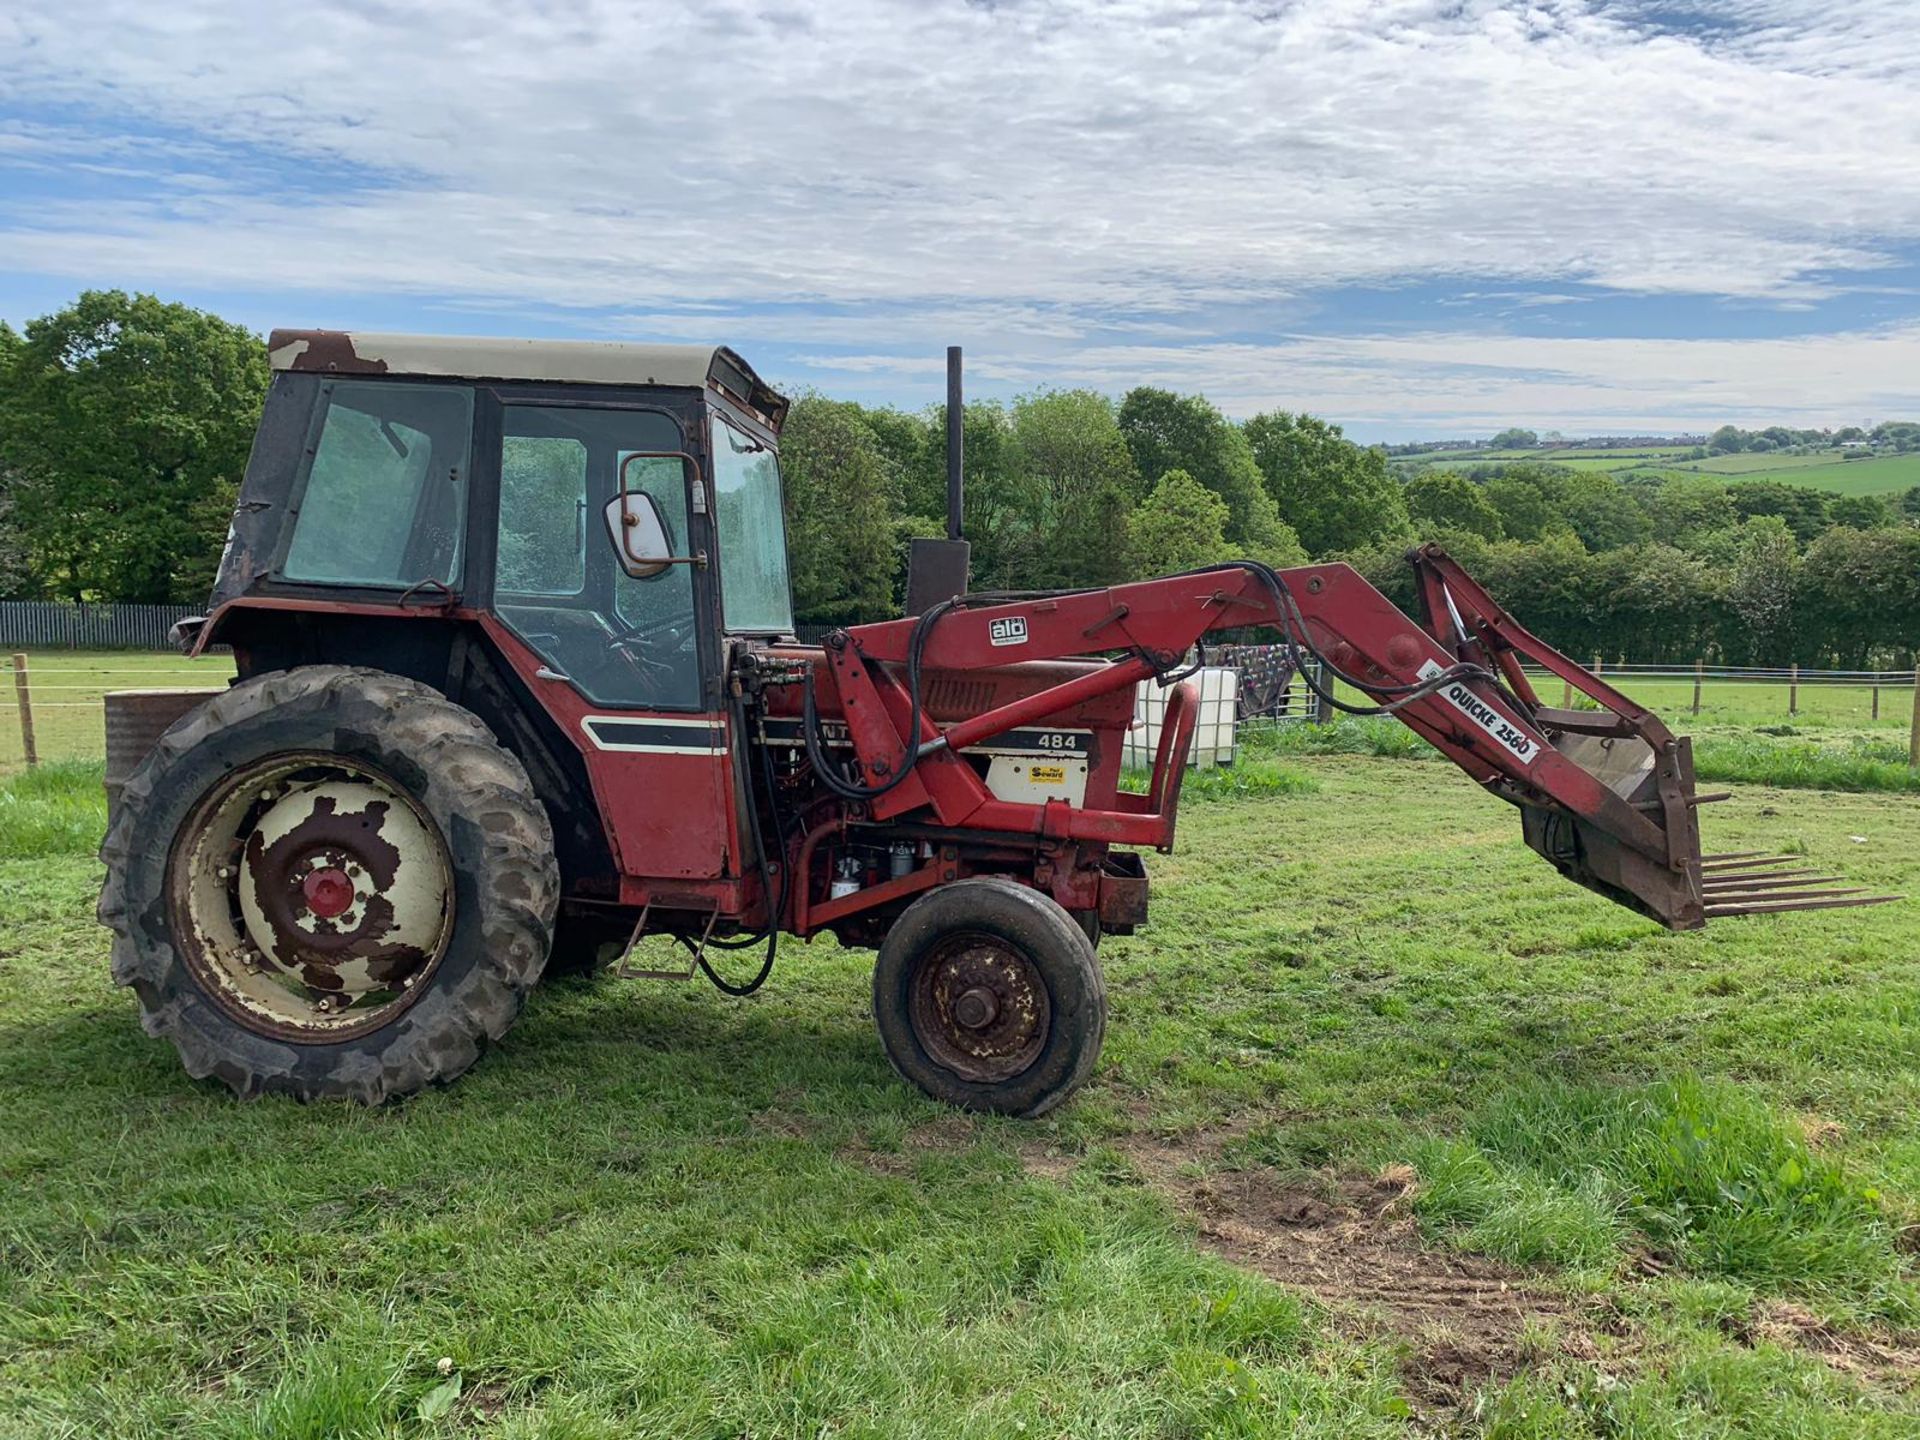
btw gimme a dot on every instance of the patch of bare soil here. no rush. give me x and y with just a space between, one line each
482 1404
1462 1321
1883 1359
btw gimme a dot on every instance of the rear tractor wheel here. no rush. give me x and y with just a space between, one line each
329 882
988 996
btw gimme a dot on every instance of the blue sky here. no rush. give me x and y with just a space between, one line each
1417 217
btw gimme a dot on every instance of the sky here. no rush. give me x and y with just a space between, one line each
1419 218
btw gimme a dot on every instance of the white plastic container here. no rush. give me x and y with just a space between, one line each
1213 732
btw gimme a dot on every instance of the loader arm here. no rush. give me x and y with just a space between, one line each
1607 795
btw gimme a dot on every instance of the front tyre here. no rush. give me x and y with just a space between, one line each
329 881
988 996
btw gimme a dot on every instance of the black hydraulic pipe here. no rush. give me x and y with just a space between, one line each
956 445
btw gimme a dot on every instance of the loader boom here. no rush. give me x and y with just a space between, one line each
1607 794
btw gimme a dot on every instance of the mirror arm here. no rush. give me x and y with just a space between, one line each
628 520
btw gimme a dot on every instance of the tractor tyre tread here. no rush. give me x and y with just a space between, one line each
499 841
1058 947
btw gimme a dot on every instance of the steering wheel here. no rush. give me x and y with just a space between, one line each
647 645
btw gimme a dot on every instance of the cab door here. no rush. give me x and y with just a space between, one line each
628 666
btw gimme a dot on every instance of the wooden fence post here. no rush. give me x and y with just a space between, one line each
1913 742
1793 690
1876 697
25 697
1698 667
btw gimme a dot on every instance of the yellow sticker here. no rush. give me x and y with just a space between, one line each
1048 774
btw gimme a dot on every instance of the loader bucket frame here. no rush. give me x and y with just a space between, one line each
1639 844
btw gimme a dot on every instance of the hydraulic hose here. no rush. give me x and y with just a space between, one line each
823 764
769 932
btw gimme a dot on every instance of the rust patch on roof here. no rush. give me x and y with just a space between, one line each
326 351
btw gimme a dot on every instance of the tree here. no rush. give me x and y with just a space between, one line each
1651 602
1686 508
1069 454
1760 593
1438 499
1727 440
1002 519
1514 439
1180 526
904 441
1862 594
1861 512
1599 510
125 424
1523 494
1804 509
840 521
1166 432
1334 494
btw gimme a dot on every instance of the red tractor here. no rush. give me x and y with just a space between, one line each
517 677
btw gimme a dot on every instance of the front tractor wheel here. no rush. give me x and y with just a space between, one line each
988 996
329 882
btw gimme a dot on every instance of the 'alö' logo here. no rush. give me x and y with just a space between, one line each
1008 630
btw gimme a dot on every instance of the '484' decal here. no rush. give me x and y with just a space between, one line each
1521 745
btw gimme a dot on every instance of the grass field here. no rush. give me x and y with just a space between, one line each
66 687
1830 470
1395 1133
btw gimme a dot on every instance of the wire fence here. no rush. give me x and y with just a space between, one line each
56 710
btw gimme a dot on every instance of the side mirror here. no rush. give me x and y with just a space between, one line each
634 522
639 535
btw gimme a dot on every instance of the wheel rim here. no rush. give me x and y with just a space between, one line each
979 1007
311 897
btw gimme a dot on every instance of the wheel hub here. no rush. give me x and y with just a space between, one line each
329 892
979 1007
975 1009
312 896
340 888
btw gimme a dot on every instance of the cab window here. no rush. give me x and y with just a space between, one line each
753 533
557 582
384 499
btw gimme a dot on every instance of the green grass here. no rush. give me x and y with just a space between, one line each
1704 1175
1851 763
1830 471
1827 470
66 686
655 1211
56 809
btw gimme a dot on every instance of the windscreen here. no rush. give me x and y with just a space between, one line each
753 533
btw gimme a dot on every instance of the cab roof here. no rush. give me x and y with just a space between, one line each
566 362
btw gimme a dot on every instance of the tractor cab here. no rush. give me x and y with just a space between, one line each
566 536
480 476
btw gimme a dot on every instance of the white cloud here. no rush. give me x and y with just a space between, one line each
1034 172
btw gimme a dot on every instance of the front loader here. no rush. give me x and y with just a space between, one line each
517 686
